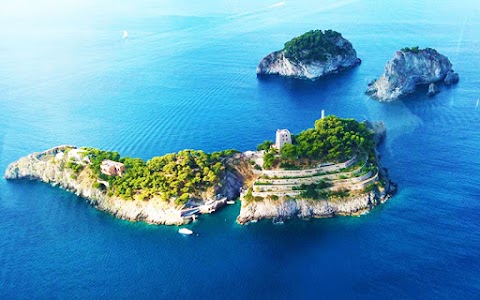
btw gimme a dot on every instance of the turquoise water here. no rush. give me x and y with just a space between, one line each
185 78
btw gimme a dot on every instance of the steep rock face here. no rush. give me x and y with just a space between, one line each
282 209
278 63
407 70
357 204
432 90
451 78
45 167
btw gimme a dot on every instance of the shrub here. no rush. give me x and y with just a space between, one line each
273 197
314 45
369 188
413 49
265 146
172 175
249 195
258 198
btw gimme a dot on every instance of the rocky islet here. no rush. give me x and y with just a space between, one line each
332 54
409 69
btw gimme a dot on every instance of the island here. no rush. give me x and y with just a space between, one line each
331 169
310 56
410 68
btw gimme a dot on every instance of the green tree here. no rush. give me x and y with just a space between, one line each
265 146
268 160
289 152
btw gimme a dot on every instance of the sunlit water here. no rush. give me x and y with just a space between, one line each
185 78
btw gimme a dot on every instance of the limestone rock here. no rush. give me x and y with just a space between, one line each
48 166
279 63
283 209
432 90
409 69
451 78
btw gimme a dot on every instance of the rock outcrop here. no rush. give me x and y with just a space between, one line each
356 203
408 69
451 78
54 166
283 209
49 167
432 90
340 56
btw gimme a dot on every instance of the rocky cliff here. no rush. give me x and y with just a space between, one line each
356 203
409 69
283 209
49 167
52 166
337 55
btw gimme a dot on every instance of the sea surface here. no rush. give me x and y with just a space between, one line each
185 78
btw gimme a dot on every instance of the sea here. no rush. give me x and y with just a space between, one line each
185 78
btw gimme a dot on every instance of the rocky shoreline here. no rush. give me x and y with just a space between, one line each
280 63
44 167
410 68
358 203
49 166
277 64
283 210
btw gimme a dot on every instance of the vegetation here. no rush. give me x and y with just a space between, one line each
333 140
340 193
314 190
263 183
289 166
249 195
258 198
74 166
178 176
265 146
314 45
369 188
269 159
273 197
413 49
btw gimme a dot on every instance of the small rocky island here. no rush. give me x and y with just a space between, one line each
410 68
332 169
312 55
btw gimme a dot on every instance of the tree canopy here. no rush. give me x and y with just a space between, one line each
314 45
412 49
333 139
176 175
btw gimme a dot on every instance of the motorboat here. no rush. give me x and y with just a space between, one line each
185 231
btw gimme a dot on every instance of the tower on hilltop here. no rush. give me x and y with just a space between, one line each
282 137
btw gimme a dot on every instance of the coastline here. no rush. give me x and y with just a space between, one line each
43 167
352 188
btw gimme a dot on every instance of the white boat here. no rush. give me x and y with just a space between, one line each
185 231
230 202
125 34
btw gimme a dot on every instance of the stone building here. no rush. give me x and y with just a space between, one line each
112 168
282 137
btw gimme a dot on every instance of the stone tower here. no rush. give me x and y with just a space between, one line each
282 137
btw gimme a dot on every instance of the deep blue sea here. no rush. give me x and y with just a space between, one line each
185 78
